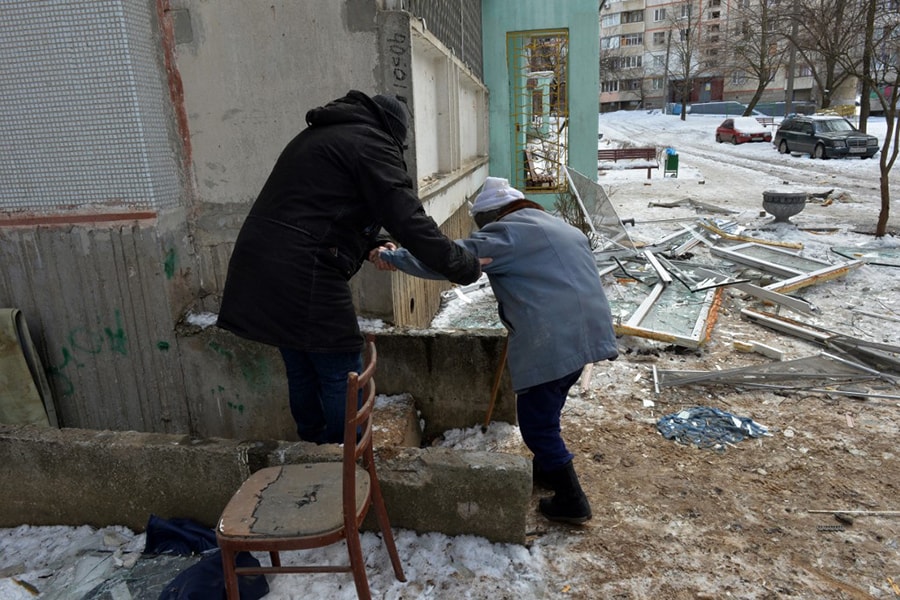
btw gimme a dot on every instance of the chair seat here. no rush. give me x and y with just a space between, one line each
291 501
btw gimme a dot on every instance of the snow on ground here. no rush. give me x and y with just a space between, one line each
44 559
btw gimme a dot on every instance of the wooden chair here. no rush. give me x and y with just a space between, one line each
294 507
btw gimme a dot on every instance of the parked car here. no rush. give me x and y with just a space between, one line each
823 136
743 129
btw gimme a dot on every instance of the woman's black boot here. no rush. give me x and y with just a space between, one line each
568 504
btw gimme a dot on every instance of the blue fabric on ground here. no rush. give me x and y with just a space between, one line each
707 427
178 536
204 580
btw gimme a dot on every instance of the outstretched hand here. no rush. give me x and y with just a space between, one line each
380 263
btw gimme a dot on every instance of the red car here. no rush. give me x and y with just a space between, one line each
738 130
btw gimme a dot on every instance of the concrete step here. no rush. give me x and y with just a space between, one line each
396 422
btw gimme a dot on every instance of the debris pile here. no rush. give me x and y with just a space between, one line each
670 290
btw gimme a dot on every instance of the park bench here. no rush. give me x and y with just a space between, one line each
637 158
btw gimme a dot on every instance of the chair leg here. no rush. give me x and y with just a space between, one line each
275 558
385 525
231 582
358 564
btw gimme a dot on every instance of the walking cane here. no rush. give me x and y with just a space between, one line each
496 388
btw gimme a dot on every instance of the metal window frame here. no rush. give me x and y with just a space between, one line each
819 270
700 306
524 83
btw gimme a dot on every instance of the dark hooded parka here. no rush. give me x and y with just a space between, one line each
333 188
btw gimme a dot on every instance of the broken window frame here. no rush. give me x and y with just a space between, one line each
640 322
796 277
874 354
790 374
610 237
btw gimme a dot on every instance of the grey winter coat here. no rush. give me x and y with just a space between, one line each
548 290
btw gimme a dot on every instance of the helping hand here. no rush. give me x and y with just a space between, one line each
375 257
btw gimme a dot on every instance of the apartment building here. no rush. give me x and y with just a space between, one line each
654 51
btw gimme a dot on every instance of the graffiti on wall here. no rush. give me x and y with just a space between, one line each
255 372
169 263
83 342
398 52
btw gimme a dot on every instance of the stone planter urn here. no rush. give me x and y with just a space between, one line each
783 205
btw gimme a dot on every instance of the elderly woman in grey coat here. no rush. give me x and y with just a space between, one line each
552 303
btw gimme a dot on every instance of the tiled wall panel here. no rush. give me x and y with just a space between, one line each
82 108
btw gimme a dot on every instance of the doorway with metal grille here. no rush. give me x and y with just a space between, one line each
539 108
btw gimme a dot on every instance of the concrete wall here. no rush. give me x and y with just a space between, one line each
250 73
581 19
237 389
107 292
76 477
100 301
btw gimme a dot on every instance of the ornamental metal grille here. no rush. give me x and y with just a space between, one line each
539 107
457 23
82 108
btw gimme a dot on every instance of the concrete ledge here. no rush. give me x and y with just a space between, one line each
450 375
235 388
76 476
479 493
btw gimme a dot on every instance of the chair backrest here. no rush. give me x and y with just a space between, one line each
358 423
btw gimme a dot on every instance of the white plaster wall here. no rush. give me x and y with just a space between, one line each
252 70
450 108
426 73
473 120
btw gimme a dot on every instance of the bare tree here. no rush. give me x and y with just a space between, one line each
827 31
759 50
690 54
882 76
681 53
865 102
629 71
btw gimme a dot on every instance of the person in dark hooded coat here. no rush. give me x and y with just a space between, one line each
319 214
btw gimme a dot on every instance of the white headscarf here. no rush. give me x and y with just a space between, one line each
495 192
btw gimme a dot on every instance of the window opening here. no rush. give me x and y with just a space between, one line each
538 66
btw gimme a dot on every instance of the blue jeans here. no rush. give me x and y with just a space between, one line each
317 388
538 409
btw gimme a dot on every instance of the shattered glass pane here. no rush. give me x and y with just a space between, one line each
625 296
822 366
770 258
607 229
678 312
888 257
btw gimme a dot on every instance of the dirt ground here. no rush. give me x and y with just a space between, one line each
678 522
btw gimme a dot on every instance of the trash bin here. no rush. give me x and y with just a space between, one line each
671 166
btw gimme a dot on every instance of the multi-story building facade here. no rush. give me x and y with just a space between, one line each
654 51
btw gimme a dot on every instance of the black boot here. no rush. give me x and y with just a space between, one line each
539 477
569 504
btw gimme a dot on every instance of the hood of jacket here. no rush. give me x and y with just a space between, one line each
355 107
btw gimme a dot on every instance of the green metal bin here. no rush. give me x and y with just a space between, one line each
671 166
